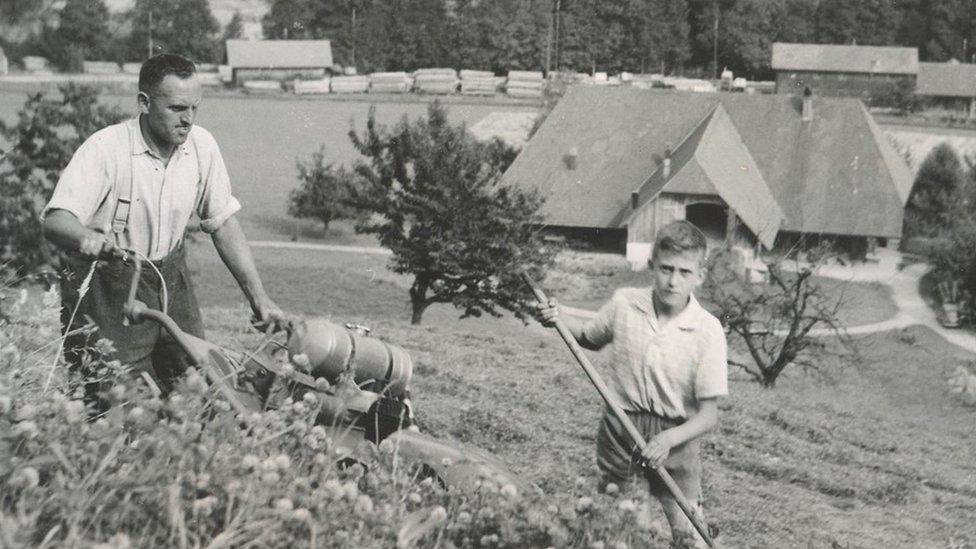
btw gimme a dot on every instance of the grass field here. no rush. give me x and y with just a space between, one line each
880 457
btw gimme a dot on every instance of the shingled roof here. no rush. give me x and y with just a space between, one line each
279 54
837 58
834 175
946 79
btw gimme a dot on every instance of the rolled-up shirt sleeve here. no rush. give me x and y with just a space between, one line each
599 329
712 376
216 203
83 184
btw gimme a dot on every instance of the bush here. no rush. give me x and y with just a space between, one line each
324 191
186 471
440 207
937 187
47 133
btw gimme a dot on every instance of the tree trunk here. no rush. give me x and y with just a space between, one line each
418 299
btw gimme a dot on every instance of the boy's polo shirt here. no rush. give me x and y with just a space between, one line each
163 196
664 369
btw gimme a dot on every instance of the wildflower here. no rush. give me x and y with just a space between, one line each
509 491
580 481
271 477
203 480
136 415
414 497
283 462
350 491
438 514
28 429
204 505
584 503
364 505
74 411
26 478
464 517
104 346
319 432
118 541
233 486
195 382
27 411
302 514
284 504
333 488
597 545
321 384
6 404
320 459
250 461
627 506
287 369
301 360
621 545
447 462
300 408
310 399
222 405
611 489
490 539
269 464
117 392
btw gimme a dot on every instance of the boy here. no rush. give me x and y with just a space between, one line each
668 369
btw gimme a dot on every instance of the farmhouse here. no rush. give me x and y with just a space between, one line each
948 85
759 171
278 59
845 71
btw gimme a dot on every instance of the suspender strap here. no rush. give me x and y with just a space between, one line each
124 188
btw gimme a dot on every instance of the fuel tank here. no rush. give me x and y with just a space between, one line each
333 349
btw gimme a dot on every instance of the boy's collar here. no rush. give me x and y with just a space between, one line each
685 320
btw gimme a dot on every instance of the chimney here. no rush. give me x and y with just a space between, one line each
807 114
666 164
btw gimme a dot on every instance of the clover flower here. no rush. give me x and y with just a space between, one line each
284 504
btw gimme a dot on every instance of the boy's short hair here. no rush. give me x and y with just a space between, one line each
159 66
679 237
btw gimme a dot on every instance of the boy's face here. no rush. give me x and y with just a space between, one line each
675 276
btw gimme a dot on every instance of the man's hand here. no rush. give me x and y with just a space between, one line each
267 315
547 313
96 245
657 450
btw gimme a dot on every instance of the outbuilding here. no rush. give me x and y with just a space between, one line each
843 71
753 171
278 59
948 85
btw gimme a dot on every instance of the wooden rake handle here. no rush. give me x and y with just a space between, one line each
604 391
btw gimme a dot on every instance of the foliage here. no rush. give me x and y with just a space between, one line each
935 193
47 132
776 320
235 27
186 27
899 95
82 34
323 192
440 207
187 471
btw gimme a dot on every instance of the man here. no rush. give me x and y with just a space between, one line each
669 368
133 186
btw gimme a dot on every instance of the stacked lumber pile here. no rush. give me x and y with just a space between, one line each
34 63
478 83
390 82
525 84
305 87
350 84
99 67
209 79
439 81
131 68
262 86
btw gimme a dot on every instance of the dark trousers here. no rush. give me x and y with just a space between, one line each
143 347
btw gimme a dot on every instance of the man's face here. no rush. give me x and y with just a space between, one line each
675 276
171 108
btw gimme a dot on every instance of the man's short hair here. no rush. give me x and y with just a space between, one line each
159 66
679 237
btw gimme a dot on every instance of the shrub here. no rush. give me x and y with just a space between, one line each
440 207
47 133
323 193
931 204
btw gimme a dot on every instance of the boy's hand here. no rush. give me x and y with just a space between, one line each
547 313
657 450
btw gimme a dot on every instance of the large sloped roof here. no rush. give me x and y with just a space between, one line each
835 175
946 79
838 58
272 54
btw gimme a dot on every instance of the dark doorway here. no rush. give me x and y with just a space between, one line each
711 218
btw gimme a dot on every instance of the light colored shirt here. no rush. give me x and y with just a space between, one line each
164 196
663 369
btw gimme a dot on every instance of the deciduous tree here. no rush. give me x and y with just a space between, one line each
186 27
437 202
47 132
323 193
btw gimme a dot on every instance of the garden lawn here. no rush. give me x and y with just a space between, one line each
881 457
